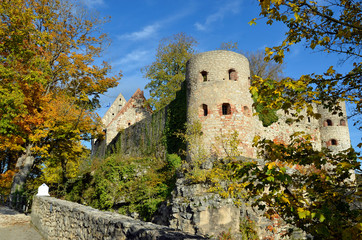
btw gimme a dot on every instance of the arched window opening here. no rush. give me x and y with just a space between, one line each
309 119
232 75
204 76
334 142
129 124
226 109
343 122
205 110
328 122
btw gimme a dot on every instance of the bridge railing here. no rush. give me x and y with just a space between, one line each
18 202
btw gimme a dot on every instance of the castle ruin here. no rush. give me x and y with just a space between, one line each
216 94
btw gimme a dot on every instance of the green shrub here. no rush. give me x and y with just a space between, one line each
127 185
174 161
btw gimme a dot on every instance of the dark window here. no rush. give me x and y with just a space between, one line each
328 122
333 142
204 76
246 111
129 124
343 122
232 75
204 108
226 109
309 119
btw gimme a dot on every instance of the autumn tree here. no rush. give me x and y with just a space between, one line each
50 83
306 187
168 71
332 27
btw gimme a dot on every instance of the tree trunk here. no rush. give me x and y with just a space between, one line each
23 164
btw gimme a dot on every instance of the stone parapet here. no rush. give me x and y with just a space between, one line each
60 219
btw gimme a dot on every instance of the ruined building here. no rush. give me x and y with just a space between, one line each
216 94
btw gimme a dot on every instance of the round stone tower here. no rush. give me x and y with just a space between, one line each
218 97
334 129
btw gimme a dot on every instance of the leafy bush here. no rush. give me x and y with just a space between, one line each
174 161
127 185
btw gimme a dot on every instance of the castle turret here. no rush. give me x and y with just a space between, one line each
218 96
334 129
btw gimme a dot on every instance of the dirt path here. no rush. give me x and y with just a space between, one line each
16 226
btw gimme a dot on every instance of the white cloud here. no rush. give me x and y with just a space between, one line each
93 3
134 56
230 7
134 60
146 32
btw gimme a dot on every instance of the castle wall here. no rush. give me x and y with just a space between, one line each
281 131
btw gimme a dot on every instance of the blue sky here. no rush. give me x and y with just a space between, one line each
137 26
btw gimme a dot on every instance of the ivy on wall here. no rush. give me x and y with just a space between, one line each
176 119
156 134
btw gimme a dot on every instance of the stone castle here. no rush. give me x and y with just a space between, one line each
216 94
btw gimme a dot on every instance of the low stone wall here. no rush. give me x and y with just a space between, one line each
59 219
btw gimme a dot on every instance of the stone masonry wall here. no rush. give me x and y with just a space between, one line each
132 112
59 219
116 106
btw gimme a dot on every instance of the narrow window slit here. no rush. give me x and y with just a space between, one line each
226 109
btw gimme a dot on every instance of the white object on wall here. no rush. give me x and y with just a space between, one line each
43 190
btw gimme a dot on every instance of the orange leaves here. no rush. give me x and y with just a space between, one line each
5 181
50 82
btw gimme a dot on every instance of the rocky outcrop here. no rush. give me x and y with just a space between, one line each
195 210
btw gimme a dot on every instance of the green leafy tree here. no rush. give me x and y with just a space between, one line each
168 71
312 190
50 84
